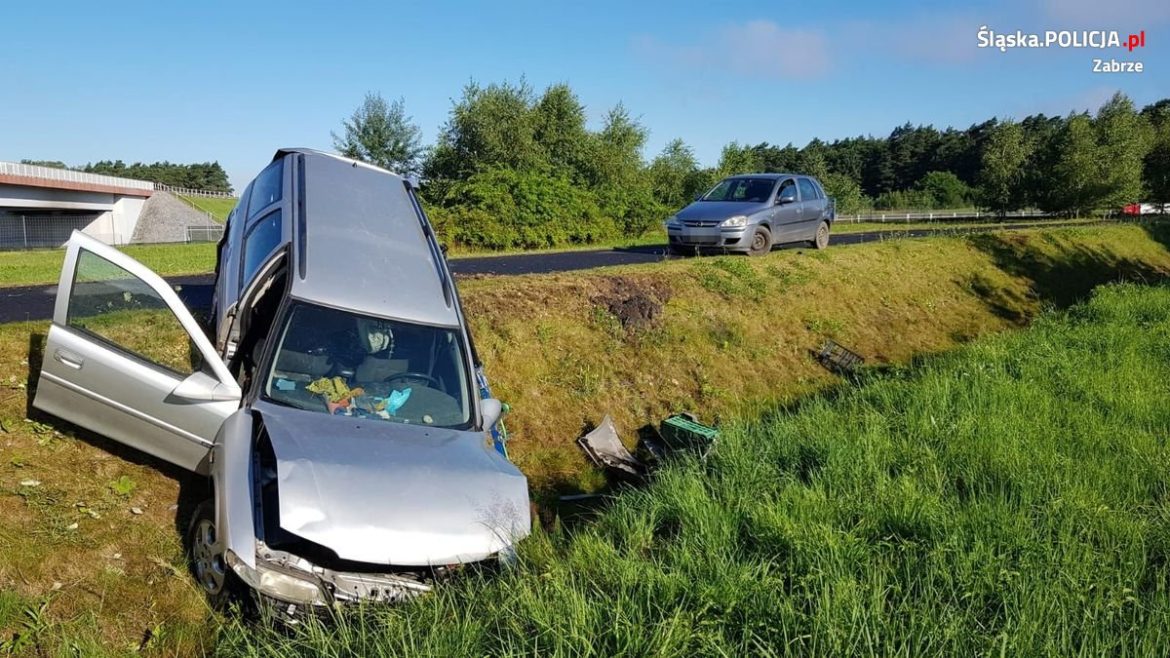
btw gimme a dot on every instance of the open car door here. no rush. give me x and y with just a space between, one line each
125 358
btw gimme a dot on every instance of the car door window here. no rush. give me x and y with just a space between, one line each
262 240
807 190
786 186
113 305
267 189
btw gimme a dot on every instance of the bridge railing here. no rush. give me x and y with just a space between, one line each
68 175
187 191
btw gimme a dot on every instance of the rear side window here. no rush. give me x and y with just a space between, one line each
808 191
262 240
267 188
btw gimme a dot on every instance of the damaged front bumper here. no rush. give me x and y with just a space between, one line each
297 584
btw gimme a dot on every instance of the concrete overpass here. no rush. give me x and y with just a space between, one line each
40 206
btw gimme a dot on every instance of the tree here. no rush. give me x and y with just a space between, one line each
488 127
674 175
945 189
845 192
619 177
381 134
812 159
1001 176
1123 139
559 130
738 159
1075 175
1156 171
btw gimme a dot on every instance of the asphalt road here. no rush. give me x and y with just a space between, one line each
36 302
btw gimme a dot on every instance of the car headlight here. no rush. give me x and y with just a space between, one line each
734 222
277 582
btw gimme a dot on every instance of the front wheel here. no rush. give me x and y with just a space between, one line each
761 242
821 240
206 547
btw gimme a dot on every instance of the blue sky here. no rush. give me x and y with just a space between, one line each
234 81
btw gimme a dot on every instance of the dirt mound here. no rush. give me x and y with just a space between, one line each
636 303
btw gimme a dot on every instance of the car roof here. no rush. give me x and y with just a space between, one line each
362 246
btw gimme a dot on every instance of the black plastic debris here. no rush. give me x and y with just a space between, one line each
839 359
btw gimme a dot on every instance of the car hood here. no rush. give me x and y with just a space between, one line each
389 493
719 209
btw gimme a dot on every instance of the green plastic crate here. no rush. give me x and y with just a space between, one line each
684 432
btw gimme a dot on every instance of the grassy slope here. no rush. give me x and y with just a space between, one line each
729 341
1008 499
736 332
43 266
218 207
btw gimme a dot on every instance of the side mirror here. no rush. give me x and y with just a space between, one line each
490 409
201 387
786 197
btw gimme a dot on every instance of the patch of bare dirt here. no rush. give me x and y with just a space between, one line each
636 303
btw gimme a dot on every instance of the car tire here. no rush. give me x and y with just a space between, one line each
821 240
205 548
761 242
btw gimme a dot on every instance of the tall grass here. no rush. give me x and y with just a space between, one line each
1009 498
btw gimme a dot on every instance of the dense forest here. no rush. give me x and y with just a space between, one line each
513 168
209 176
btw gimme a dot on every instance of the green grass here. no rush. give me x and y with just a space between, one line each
218 207
731 341
892 226
1007 499
43 266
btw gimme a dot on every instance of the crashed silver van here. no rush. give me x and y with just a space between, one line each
340 412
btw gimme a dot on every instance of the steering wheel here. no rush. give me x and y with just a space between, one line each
430 381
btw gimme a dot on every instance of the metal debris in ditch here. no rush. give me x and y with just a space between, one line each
603 447
838 358
677 433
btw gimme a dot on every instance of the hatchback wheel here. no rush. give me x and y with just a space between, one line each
761 242
822 238
206 547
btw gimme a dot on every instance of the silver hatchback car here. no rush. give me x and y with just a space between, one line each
340 412
753 212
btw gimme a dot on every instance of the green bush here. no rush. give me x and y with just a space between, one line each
846 193
903 199
503 208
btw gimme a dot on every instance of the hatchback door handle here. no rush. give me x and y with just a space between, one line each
69 358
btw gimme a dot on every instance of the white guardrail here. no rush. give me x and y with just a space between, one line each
186 191
70 176
938 216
